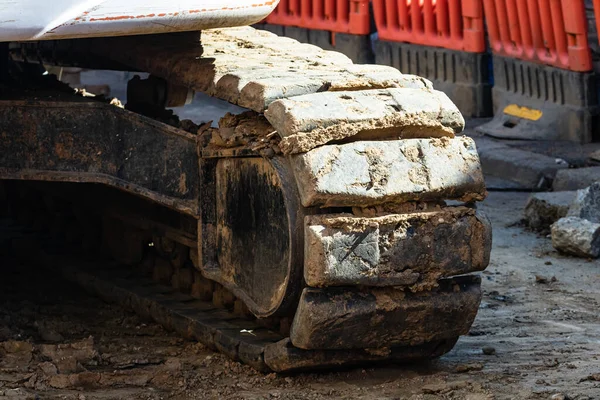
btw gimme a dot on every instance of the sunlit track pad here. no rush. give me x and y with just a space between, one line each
411 250
375 172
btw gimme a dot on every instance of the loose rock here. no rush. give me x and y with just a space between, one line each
576 236
544 209
543 280
586 204
469 367
67 357
15 354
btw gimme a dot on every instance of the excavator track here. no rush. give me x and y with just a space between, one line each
311 231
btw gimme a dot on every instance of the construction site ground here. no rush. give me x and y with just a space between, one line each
538 323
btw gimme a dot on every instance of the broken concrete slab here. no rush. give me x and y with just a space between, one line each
367 315
545 208
309 121
414 249
495 183
576 178
531 170
375 172
576 236
574 153
586 204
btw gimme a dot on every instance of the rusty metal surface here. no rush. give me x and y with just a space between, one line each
99 143
27 20
241 247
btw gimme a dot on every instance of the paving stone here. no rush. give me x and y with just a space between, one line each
305 122
586 203
545 208
369 315
413 249
374 172
576 178
576 236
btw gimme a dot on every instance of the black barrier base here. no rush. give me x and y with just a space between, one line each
533 101
356 47
464 77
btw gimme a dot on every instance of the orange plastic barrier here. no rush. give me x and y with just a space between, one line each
451 24
552 32
341 16
597 15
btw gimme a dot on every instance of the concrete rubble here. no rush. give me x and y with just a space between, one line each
545 208
576 236
579 232
586 204
575 178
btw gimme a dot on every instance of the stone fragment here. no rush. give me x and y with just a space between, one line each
348 318
376 172
413 249
67 356
586 204
47 368
15 355
576 178
576 236
309 121
545 208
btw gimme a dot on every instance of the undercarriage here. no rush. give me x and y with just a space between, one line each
332 223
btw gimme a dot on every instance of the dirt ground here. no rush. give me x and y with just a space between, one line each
539 317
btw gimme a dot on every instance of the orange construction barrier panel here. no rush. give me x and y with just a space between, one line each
597 15
451 24
551 32
340 16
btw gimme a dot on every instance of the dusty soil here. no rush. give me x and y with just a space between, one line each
539 317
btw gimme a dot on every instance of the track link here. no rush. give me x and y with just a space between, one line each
178 298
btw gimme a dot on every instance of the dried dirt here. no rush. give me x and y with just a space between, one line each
535 337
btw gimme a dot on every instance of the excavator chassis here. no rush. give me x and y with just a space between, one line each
310 231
